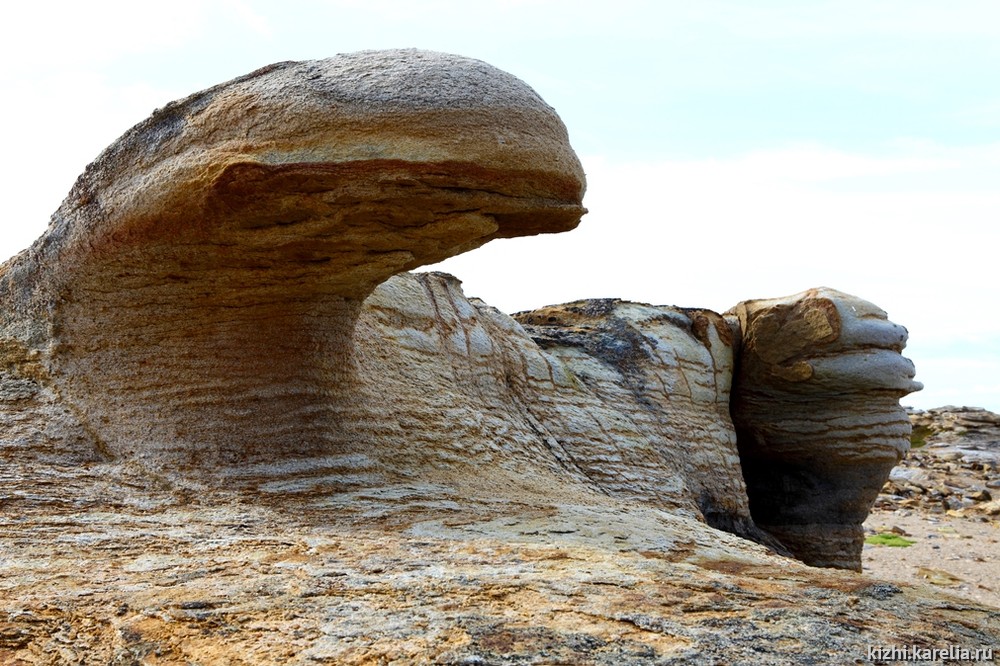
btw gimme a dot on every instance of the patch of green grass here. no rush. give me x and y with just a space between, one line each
919 435
888 539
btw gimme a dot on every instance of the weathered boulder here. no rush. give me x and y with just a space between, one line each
200 299
233 428
816 407
196 293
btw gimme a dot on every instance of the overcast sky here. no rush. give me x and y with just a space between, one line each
733 150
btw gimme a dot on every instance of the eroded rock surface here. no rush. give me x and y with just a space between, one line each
816 408
661 379
233 430
196 293
105 565
953 467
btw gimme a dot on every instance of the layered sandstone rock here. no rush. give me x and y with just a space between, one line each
618 400
197 291
816 408
207 311
665 373
233 428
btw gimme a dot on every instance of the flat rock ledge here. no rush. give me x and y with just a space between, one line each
235 429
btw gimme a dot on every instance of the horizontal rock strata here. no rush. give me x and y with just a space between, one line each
666 374
819 426
234 428
448 388
197 292
972 426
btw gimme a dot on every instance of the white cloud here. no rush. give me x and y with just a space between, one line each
959 380
816 163
985 114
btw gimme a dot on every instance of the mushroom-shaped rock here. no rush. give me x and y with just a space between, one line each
816 409
198 289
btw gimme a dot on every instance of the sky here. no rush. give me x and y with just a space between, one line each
733 149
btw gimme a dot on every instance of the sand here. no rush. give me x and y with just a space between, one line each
958 554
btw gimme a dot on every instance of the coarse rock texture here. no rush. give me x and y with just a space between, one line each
817 415
967 428
953 467
197 291
105 564
234 430
666 372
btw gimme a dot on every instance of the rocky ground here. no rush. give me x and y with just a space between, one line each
945 500
110 564
228 436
